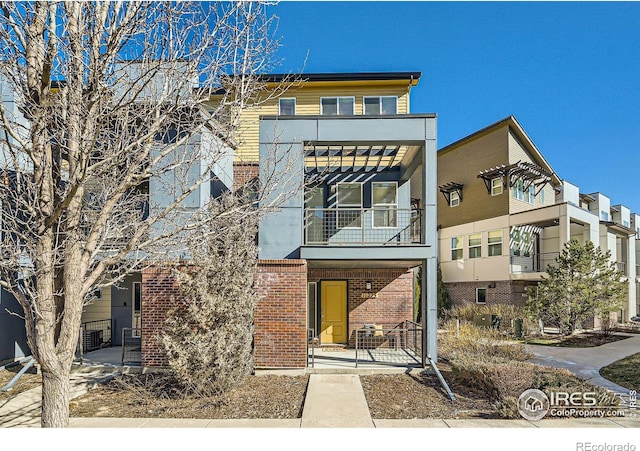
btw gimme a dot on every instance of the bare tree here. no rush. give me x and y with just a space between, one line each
121 113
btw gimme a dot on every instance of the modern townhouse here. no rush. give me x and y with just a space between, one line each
504 215
339 255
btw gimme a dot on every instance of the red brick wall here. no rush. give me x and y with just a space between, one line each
243 173
159 294
280 317
394 295
504 292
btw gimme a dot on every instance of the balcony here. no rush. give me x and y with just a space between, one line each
533 263
362 226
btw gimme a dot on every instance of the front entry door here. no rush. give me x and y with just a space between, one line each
333 328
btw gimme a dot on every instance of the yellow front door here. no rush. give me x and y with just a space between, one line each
333 328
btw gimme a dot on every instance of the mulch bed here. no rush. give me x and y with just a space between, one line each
27 381
406 396
583 340
137 396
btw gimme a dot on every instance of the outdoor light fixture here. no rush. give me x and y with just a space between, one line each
368 285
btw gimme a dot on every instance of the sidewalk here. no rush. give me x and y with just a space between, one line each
333 401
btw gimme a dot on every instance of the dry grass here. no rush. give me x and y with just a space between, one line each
26 382
624 372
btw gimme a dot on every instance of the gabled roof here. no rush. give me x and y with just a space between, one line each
518 131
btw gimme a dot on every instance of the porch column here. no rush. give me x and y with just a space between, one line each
631 275
565 230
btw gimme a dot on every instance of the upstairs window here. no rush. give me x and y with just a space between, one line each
456 248
287 107
625 223
337 106
475 245
496 186
531 194
495 243
604 215
385 204
349 201
454 200
541 196
380 105
517 191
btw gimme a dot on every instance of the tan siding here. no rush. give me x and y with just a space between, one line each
99 309
308 103
462 165
517 152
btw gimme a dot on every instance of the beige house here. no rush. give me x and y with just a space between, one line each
504 215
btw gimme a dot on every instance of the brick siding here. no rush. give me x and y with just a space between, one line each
243 173
394 295
504 292
280 317
159 294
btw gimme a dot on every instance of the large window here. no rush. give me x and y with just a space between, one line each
604 215
456 248
349 205
380 105
518 192
495 243
496 186
531 194
287 107
385 204
475 245
337 106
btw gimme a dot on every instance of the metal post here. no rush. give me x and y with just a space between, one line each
356 348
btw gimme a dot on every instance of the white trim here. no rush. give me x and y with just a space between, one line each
460 239
474 246
364 113
495 244
286 98
338 104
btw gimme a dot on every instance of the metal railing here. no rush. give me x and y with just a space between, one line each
533 262
94 335
379 225
388 345
414 337
311 347
131 346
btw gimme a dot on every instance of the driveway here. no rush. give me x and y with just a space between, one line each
585 362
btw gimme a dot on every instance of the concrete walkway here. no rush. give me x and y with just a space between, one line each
586 362
338 401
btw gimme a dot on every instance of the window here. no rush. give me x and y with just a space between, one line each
475 245
541 196
604 215
349 205
136 309
495 243
380 105
456 248
385 204
625 223
287 107
454 199
481 295
336 106
496 186
531 194
516 190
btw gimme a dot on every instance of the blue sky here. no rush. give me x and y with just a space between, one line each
569 72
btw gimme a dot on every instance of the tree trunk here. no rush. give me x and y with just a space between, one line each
55 399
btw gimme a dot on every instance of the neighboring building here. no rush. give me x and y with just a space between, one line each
504 215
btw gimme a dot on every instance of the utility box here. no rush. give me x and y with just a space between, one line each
483 320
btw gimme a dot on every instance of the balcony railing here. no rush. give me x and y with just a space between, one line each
622 267
349 226
533 263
